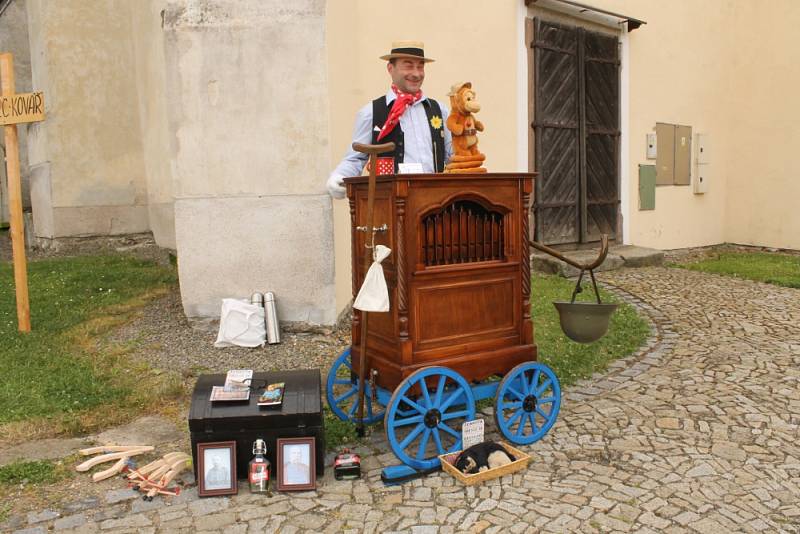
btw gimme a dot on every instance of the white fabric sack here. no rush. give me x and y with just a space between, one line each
242 324
374 295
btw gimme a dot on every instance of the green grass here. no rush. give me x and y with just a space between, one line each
777 269
53 371
37 472
572 361
338 432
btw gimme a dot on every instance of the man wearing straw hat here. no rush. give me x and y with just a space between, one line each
404 115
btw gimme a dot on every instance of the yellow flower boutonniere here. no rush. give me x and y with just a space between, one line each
436 122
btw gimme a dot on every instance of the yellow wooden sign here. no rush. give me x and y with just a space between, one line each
23 107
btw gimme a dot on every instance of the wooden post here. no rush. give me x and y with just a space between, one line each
15 201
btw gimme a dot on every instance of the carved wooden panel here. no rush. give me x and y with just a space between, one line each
448 314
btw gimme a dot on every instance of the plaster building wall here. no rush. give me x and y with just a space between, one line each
680 73
764 187
87 165
151 73
248 109
14 39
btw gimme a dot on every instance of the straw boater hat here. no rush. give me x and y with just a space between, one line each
407 49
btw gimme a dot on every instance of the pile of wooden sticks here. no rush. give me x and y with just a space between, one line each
152 479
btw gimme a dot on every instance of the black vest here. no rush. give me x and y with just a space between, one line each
380 112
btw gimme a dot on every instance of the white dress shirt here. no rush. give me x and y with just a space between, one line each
416 138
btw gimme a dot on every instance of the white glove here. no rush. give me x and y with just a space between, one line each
336 187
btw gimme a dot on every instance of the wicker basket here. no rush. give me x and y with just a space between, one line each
521 462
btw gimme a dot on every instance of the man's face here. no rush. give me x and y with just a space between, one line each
407 74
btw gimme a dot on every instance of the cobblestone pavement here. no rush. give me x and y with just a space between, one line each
696 433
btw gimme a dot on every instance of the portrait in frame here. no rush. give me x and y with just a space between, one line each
296 464
216 469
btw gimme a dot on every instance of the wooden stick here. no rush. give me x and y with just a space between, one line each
373 151
158 473
176 468
111 448
111 471
15 202
141 472
88 464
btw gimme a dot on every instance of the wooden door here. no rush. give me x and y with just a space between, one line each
576 132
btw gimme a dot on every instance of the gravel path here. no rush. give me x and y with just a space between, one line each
697 433
166 341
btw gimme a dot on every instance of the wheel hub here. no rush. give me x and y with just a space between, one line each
529 404
432 418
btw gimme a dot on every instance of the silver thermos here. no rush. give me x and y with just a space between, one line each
257 299
271 316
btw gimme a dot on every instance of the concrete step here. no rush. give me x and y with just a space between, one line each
618 256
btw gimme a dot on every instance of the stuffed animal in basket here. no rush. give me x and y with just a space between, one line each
464 126
481 457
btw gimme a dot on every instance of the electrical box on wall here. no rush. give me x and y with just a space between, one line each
673 154
683 155
652 153
702 148
701 177
702 168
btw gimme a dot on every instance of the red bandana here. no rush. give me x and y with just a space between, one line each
401 104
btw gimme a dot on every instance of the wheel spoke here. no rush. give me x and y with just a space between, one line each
516 393
423 444
532 417
352 411
424 387
347 363
534 381
446 404
513 418
346 395
437 399
342 382
540 412
524 382
414 405
510 405
411 436
454 415
407 421
438 440
449 430
545 400
521 426
544 387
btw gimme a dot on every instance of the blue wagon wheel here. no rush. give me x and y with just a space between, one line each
527 402
425 414
342 392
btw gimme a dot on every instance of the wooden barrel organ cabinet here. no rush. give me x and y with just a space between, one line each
458 275
459 327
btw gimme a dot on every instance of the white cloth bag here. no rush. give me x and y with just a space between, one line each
374 295
242 324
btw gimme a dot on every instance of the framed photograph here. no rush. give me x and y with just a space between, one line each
216 469
297 466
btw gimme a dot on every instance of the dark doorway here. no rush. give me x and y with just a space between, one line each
576 132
